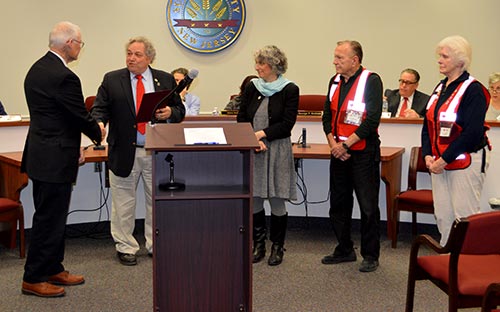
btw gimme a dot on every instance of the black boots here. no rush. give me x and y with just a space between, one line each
259 236
278 232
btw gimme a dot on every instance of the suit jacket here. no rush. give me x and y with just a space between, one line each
57 119
419 101
282 109
115 104
2 110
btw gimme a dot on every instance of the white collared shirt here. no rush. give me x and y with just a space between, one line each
147 80
410 101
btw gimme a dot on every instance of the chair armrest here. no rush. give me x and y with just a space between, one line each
427 240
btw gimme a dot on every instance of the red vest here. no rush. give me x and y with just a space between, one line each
447 115
340 129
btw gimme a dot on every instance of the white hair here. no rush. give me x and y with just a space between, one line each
460 50
61 33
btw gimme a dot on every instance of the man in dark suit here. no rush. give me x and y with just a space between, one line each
51 157
406 101
116 104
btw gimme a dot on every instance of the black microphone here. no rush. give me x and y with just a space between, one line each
99 147
304 138
193 73
171 185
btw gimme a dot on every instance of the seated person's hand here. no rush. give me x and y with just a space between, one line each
410 113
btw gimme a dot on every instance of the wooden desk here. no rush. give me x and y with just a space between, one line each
13 181
390 170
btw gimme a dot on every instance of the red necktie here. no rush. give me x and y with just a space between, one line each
139 92
404 107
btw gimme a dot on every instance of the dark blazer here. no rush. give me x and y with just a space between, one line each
418 104
282 111
2 110
114 103
57 119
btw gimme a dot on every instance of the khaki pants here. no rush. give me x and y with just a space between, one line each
123 194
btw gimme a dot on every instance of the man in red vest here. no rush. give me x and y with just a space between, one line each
350 121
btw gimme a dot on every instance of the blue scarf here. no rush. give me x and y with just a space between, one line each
270 88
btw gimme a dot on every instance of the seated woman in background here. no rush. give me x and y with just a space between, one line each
191 101
234 103
493 112
2 110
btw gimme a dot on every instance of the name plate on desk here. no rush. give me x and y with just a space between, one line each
9 118
386 115
229 112
310 113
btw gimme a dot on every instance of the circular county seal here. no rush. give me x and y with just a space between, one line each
206 26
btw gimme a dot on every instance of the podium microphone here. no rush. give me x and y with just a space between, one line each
193 73
304 138
171 185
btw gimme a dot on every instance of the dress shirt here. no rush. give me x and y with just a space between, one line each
147 80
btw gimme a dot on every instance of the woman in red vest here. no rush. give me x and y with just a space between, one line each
454 141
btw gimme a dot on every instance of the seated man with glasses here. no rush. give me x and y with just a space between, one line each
407 102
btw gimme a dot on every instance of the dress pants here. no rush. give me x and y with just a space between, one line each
46 248
361 174
123 195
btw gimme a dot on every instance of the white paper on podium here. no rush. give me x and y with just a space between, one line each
196 136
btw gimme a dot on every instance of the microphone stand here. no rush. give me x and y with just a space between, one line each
171 185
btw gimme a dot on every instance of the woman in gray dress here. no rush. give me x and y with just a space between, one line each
270 103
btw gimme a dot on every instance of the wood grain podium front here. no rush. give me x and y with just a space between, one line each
202 235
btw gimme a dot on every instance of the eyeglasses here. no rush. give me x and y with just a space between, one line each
80 43
406 82
495 90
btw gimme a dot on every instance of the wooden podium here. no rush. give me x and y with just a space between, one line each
202 234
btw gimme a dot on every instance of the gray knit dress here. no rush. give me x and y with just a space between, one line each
274 170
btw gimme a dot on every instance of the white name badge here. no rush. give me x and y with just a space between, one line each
446 121
445 131
448 116
354 113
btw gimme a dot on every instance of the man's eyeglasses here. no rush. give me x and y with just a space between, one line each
81 43
406 82
495 90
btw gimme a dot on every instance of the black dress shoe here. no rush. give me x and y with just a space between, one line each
336 258
368 265
127 259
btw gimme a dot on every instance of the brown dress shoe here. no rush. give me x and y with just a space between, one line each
66 279
43 289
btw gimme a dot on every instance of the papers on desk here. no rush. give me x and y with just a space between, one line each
202 136
8 118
